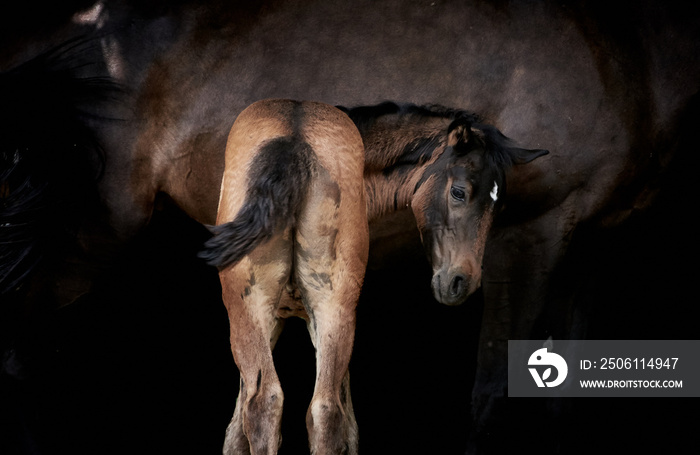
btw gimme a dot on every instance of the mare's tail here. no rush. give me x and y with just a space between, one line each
276 189
49 157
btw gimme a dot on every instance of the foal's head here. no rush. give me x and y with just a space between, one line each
455 202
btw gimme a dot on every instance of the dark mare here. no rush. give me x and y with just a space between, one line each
612 94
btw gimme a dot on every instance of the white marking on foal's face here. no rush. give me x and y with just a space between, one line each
494 192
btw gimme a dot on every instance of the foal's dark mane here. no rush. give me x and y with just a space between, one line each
420 149
364 116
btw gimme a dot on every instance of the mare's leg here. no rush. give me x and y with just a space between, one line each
251 292
331 257
519 293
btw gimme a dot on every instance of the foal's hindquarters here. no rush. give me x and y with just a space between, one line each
291 223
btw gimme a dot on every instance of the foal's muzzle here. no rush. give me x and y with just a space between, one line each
451 288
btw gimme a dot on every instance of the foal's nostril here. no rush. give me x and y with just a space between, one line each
457 285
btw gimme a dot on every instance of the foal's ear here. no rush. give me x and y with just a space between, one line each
458 133
524 156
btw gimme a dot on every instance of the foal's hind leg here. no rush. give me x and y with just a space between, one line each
236 441
331 256
251 291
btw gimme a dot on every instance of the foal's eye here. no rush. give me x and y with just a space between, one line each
458 193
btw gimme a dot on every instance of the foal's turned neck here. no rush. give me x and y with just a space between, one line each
398 149
387 195
391 188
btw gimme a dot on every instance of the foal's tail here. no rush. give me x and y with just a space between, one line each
276 189
49 157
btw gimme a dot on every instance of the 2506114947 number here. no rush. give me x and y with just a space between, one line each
652 363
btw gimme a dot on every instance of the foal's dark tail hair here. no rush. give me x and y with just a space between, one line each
277 185
50 159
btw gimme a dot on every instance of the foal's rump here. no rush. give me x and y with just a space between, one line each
283 160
